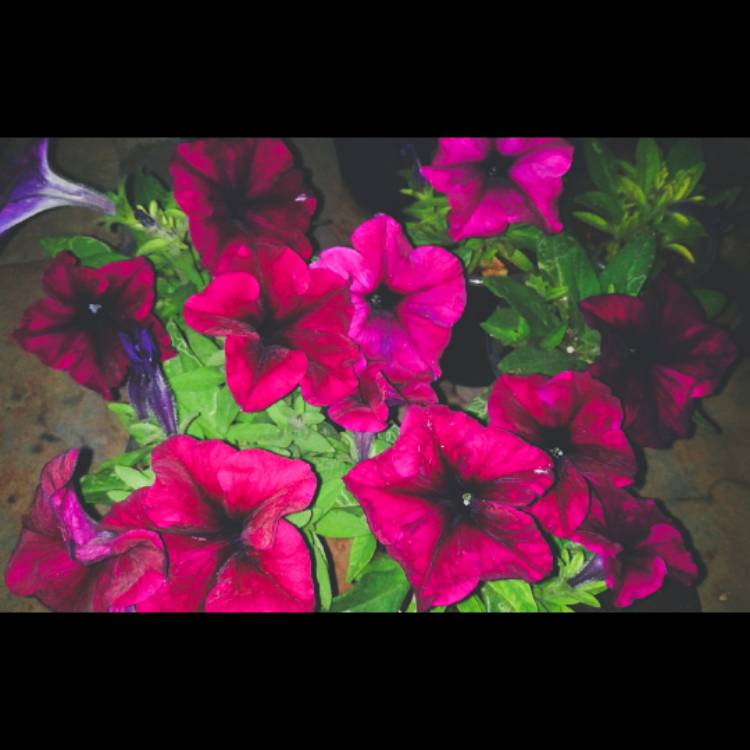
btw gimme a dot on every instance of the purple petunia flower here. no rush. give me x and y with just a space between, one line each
35 188
658 355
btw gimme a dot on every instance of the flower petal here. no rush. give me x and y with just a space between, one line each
278 579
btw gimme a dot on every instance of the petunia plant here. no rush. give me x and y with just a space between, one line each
281 396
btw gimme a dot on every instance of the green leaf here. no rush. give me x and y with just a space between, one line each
103 488
300 519
124 412
506 325
601 165
528 360
147 433
555 338
565 264
526 236
526 302
594 220
382 588
133 478
362 550
681 250
146 188
131 458
648 162
713 302
197 380
630 189
258 435
90 251
508 596
322 574
628 271
474 603
343 523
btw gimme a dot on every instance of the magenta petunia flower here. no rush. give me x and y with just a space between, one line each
285 326
367 408
72 565
449 501
636 545
493 182
220 512
242 190
578 421
406 299
658 355
77 327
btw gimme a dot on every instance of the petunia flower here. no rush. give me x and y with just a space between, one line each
286 325
406 299
77 327
220 512
493 182
35 188
658 355
449 501
241 190
636 546
69 563
578 421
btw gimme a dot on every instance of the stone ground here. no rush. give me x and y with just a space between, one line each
705 481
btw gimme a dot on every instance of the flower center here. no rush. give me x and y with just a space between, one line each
496 165
384 298
270 331
458 499
556 441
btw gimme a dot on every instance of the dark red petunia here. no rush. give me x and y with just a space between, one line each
658 355
242 190
637 546
285 326
367 409
578 421
72 565
406 299
493 182
77 327
448 501
220 513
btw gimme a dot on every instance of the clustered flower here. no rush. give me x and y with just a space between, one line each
360 330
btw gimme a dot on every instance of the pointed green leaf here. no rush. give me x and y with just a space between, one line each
382 588
526 302
362 549
628 271
506 325
601 164
508 596
648 162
